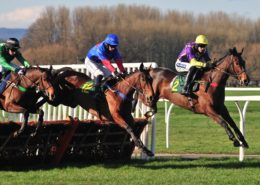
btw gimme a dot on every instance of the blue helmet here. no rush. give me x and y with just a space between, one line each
112 39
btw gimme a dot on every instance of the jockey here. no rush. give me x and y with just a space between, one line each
192 59
98 60
8 51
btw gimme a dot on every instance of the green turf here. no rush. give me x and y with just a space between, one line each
189 133
224 171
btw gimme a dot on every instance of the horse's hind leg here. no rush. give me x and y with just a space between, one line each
39 123
218 118
225 114
25 121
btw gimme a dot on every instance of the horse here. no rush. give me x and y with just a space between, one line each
114 106
210 95
23 91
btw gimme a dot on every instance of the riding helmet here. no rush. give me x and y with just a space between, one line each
13 43
112 39
201 39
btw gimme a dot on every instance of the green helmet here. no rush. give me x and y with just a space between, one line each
12 43
201 39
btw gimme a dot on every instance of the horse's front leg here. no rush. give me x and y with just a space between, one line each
222 122
15 108
24 123
225 114
122 123
39 123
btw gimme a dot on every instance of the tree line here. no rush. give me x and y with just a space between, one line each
63 36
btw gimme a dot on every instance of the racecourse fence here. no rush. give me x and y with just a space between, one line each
241 110
62 112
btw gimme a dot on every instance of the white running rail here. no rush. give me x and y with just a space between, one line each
241 111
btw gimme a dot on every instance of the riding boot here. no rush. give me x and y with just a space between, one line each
188 81
98 92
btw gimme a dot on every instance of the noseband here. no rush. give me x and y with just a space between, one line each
234 74
139 90
36 84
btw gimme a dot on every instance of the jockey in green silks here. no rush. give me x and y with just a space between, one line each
8 51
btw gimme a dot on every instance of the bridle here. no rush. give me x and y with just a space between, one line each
136 89
221 60
140 90
37 84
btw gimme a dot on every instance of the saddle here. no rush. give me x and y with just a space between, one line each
107 83
178 82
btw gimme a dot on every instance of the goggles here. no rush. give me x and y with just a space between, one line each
202 45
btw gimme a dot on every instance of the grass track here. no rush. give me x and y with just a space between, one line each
160 171
189 133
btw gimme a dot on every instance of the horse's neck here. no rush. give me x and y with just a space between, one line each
19 80
217 76
127 85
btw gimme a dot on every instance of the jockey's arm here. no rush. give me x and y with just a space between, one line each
197 63
6 65
108 65
119 63
22 60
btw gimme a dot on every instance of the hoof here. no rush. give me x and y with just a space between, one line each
244 145
148 152
236 143
33 134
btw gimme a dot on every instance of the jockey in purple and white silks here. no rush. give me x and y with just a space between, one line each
98 59
192 59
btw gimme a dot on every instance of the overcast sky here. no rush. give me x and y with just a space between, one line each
22 13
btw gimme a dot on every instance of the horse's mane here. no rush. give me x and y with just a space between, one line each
37 68
67 71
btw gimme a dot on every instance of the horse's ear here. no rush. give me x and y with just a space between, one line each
51 68
141 68
234 50
241 51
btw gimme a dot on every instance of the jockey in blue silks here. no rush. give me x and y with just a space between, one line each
192 59
98 59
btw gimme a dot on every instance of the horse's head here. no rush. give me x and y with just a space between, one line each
238 66
145 90
234 65
40 78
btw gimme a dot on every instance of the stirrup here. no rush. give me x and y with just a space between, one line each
186 93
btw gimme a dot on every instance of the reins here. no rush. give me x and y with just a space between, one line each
139 91
221 60
34 84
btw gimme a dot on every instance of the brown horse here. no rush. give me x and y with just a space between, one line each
115 106
209 98
23 91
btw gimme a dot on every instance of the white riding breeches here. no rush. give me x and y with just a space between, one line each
96 68
182 66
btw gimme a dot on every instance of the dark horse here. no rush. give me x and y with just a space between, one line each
210 97
23 91
116 104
